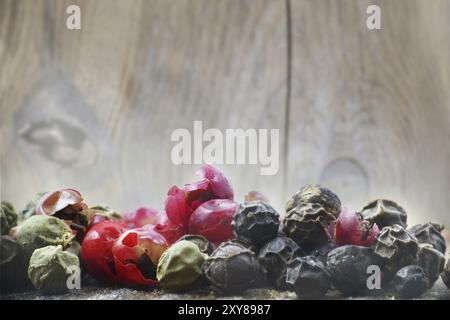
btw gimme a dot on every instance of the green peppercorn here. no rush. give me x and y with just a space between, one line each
180 266
8 217
30 208
200 241
41 231
13 266
50 267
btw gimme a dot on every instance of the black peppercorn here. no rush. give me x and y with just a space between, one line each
314 193
307 277
394 248
307 225
430 233
321 252
256 222
347 268
410 282
274 257
232 268
200 241
431 261
384 213
445 275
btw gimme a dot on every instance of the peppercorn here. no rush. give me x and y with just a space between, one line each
67 205
307 277
321 252
232 268
430 233
50 267
431 261
74 248
274 257
30 208
256 222
39 231
8 217
384 213
307 225
347 268
200 241
179 267
104 211
394 248
13 266
410 282
314 193
445 275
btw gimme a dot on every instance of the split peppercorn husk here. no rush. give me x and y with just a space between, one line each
384 213
274 257
40 231
232 268
314 193
430 233
347 268
445 275
180 266
13 266
8 217
431 261
307 277
200 241
50 267
67 205
307 225
256 222
410 282
394 248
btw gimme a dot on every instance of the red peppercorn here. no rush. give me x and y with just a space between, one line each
181 202
136 255
213 220
96 250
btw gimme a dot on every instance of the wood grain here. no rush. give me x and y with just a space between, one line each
366 113
117 88
370 110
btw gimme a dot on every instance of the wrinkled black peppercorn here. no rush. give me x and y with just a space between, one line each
384 213
321 252
232 268
394 248
307 225
274 257
314 193
200 241
347 268
431 261
410 282
430 233
307 277
256 222
445 275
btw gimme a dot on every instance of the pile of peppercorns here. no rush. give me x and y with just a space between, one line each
204 238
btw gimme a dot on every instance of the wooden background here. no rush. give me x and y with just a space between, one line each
366 113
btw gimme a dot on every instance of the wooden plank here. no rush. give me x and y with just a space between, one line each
118 87
370 110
